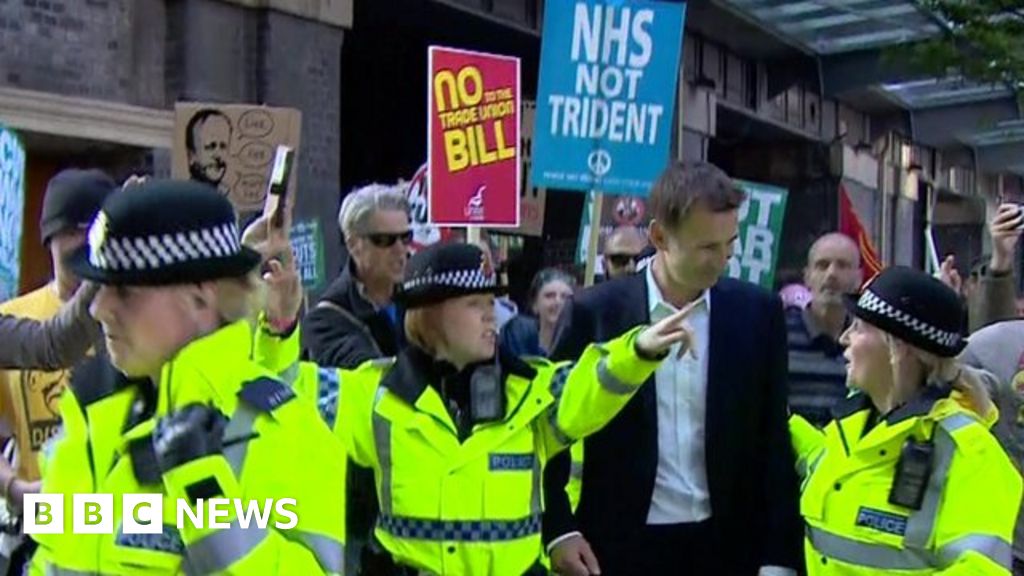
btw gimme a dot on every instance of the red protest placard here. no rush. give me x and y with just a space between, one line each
473 139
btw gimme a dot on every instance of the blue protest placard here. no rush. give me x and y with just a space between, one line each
608 78
12 202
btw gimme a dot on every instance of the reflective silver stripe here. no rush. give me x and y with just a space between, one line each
809 469
880 556
236 437
560 436
290 374
954 422
610 382
330 553
219 550
535 505
52 570
992 547
328 392
576 470
921 523
382 441
459 530
866 554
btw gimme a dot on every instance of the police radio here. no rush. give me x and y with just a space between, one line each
913 470
486 394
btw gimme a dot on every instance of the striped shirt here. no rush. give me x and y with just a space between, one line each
817 369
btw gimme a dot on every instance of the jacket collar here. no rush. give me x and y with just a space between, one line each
856 402
921 405
207 369
415 370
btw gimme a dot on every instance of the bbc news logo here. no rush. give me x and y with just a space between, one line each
143 513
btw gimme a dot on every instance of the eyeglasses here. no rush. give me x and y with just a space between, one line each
621 260
387 240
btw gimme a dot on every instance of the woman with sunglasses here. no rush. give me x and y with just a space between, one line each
905 479
457 433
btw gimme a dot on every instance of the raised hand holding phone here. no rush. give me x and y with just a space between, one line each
277 204
269 235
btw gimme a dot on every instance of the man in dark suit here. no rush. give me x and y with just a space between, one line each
696 474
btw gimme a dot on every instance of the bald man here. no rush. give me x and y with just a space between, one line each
817 369
621 249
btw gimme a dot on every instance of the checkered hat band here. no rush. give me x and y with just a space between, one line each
467 279
871 302
160 250
459 530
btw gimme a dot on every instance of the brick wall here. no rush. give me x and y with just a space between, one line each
301 68
154 52
101 49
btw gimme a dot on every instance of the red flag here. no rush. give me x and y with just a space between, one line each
849 224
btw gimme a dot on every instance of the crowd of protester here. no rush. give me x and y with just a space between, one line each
666 420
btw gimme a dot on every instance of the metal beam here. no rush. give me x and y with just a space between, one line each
853 70
1000 158
953 125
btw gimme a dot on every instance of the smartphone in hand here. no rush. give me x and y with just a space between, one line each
277 188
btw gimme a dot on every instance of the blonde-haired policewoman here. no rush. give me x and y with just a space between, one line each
457 434
194 417
906 479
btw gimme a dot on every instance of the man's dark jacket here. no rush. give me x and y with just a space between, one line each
345 330
750 465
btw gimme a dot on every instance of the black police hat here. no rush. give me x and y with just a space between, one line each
164 232
445 271
72 199
914 307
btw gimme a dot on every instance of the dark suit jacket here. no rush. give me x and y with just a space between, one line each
750 464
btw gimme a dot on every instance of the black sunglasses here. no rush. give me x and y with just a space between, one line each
387 240
620 260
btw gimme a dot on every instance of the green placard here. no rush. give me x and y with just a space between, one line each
308 244
760 234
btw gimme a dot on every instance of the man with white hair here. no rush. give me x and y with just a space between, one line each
356 320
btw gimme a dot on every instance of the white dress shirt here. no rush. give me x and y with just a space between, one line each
681 492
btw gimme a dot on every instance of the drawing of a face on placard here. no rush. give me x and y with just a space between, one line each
208 142
231 147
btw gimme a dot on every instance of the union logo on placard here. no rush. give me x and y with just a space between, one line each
475 205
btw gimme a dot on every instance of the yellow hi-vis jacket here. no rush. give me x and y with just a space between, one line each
965 523
473 507
269 445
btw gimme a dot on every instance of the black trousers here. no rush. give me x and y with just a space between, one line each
676 549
